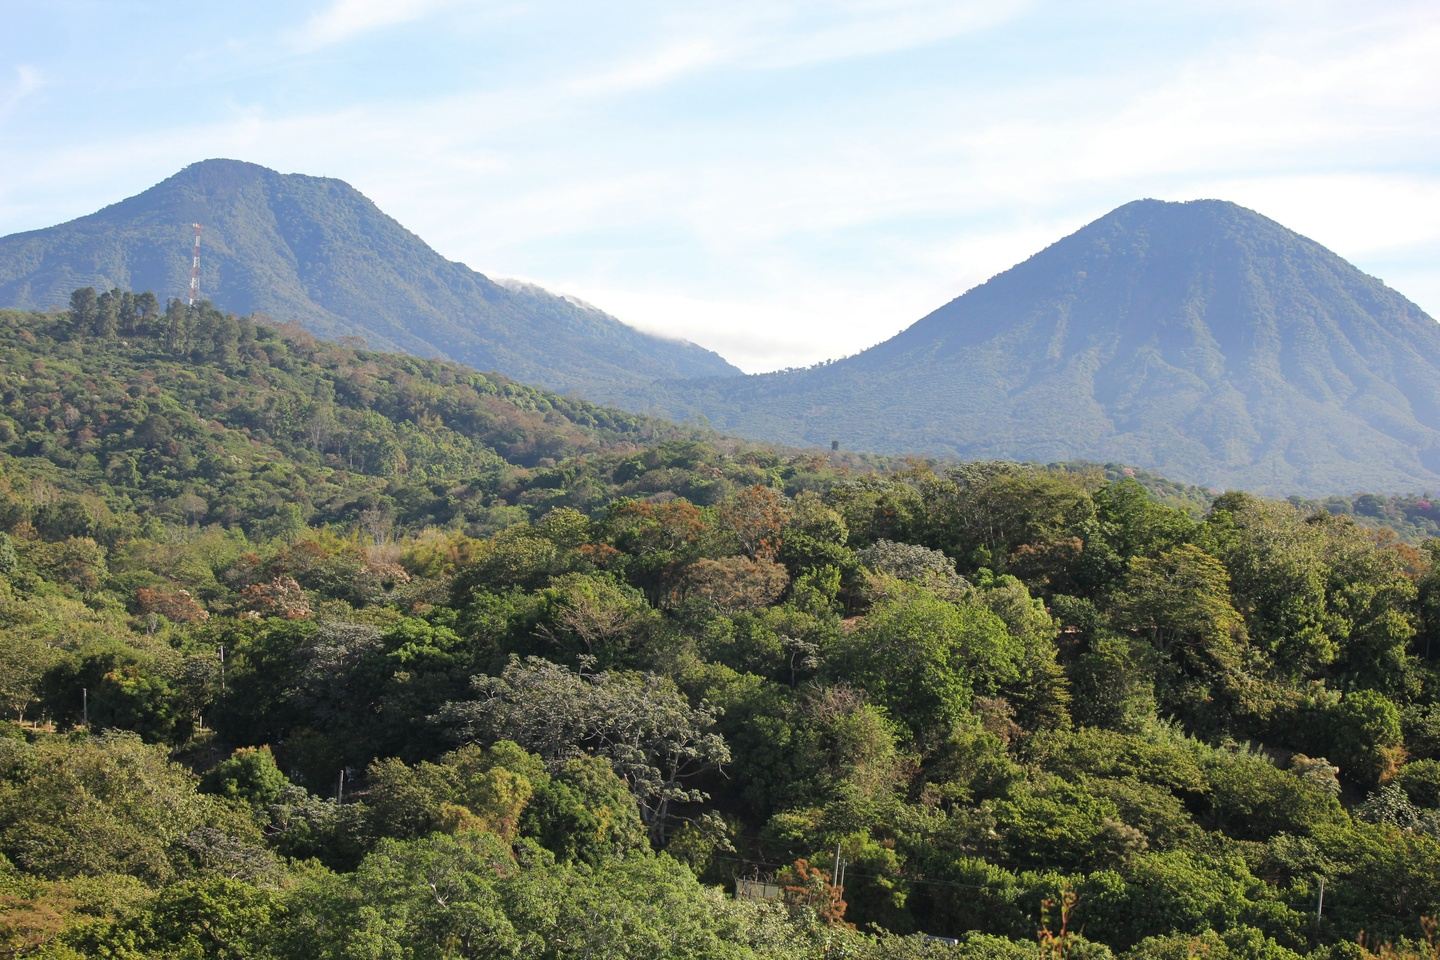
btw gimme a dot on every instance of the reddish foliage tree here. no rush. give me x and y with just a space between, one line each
175 605
281 597
756 516
808 886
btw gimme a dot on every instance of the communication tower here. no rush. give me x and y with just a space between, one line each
195 268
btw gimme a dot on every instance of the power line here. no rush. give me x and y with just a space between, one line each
769 841
751 861
925 881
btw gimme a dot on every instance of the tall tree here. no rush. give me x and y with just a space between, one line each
1180 603
924 659
1277 567
641 723
84 306
107 314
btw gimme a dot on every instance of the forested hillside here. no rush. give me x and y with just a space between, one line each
314 652
197 416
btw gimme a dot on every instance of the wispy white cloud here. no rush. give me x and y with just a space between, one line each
650 69
27 81
1292 99
781 34
1291 122
343 20
822 31
648 169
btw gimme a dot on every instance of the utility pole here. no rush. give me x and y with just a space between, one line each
195 267
340 790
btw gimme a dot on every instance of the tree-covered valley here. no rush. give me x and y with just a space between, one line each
313 651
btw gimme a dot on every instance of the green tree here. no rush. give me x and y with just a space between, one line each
430 899
1251 798
986 513
1276 562
1420 779
176 328
923 659
84 308
25 657
908 561
1428 600
213 917
651 735
1180 603
107 315
1134 524
1114 683
248 774
108 804
1365 736
598 617
1372 603
584 813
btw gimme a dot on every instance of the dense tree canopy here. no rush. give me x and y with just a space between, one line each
309 652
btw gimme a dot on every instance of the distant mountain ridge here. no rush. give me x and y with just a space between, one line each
316 251
1200 339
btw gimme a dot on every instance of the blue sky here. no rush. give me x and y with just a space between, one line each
780 181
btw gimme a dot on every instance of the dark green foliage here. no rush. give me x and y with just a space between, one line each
1250 798
655 740
1115 683
925 659
248 774
105 805
1365 736
1005 697
215 917
583 813
279 424
1420 779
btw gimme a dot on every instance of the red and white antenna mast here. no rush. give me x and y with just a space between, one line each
195 268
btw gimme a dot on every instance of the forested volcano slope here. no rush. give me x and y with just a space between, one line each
1201 340
315 251
314 652
204 417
